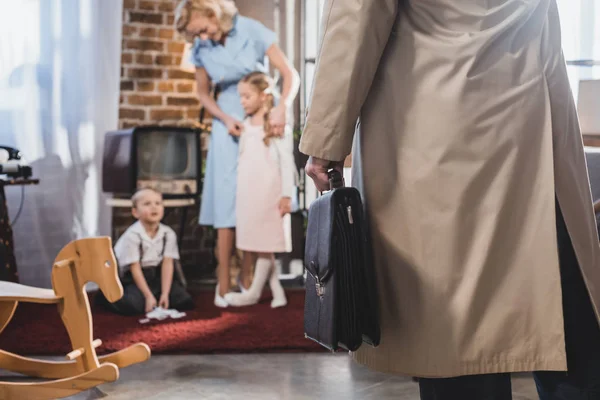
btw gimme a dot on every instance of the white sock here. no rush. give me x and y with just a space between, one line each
279 299
252 295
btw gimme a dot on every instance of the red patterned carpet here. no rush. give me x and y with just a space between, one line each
37 330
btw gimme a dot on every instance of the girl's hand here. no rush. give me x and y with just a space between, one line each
278 118
234 127
285 205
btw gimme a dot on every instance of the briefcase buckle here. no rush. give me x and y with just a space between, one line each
320 289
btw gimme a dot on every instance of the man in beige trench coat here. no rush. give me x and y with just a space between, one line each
468 136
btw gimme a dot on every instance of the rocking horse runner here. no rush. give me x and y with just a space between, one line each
80 262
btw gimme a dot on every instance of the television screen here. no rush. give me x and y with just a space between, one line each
167 155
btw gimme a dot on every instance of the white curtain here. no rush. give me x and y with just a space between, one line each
59 94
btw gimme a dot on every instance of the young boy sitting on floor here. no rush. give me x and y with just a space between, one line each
146 253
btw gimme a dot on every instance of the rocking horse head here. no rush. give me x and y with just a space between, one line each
91 260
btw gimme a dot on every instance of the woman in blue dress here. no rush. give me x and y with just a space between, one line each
226 47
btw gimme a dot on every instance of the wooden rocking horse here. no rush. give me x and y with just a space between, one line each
81 261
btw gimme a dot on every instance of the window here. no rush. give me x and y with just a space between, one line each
580 23
312 12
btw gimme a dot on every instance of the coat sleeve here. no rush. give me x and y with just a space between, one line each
355 33
287 165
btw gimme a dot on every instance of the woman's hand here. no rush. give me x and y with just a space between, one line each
285 206
234 127
278 118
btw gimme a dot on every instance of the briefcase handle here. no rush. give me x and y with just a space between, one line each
336 180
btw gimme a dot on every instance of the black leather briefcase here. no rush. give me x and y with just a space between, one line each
340 308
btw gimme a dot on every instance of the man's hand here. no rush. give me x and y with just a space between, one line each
317 169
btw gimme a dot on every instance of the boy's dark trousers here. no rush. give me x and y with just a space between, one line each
133 301
582 336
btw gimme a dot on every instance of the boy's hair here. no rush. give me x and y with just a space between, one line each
263 84
139 193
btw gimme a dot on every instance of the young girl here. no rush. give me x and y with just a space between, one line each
265 185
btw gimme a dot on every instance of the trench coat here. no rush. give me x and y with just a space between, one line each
468 132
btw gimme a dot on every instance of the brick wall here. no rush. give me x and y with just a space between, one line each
154 90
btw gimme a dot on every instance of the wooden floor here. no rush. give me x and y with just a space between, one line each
265 377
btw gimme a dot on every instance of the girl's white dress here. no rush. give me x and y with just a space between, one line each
265 175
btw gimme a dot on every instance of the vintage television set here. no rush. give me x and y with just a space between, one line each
166 158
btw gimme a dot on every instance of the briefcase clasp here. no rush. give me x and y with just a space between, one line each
320 289
319 286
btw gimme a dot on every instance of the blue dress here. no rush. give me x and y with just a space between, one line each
244 52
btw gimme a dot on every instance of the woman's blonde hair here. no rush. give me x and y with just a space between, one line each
223 10
263 83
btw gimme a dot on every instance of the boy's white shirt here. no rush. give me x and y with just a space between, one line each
127 248
282 150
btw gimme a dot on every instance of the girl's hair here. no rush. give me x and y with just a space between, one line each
263 83
223 10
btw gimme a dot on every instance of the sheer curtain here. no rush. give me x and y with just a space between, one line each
59 94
